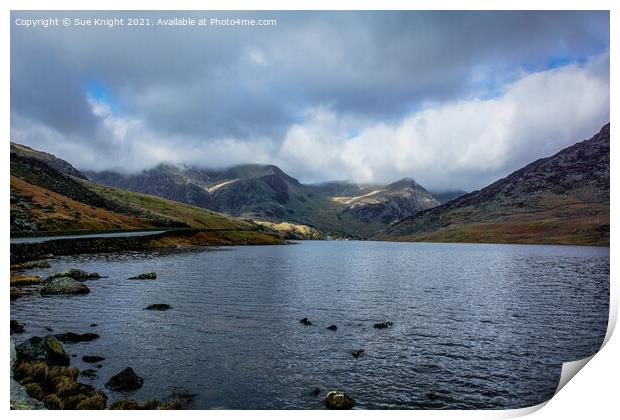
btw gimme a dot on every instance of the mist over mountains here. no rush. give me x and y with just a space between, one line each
563 198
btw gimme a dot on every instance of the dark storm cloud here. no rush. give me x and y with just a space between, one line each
255 83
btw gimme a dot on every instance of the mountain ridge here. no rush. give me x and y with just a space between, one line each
563 198
267 193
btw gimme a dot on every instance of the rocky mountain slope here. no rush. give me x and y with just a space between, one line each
560 199
266 193
49 159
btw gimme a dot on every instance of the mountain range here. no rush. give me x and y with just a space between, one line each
266 193
560 199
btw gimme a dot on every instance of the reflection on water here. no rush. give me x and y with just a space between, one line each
475 326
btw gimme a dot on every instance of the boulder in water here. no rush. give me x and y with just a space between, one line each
432 396
338 400
64 286
92 359
125 380
305 321
144 276
332 328
382 325
158 307
357 353
16 327
89 373
75 274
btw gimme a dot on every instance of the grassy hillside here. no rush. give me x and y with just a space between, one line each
32 205
153 207
46 200
571 223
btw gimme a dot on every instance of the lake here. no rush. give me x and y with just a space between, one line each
474 325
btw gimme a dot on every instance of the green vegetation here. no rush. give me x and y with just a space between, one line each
156 208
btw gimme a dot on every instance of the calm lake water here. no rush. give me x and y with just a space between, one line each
478 326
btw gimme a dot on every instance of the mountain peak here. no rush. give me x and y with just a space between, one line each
403 183
47 158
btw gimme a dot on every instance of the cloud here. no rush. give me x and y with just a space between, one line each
460 144
358 95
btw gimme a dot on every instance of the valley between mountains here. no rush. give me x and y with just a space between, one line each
562 199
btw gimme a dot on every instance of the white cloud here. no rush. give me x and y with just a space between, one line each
462 144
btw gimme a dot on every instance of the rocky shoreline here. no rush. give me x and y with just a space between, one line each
40 374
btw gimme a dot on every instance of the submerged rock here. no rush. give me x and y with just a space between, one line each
42 349
382 325
432 396
16 327
158 307
92 359
75 274
64 286
125 380
71 337
315 392
89 373
338 400
145 276
357 353
332 328
305 321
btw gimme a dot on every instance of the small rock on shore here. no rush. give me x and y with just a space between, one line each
42 349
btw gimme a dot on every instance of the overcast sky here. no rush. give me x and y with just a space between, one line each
455 100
